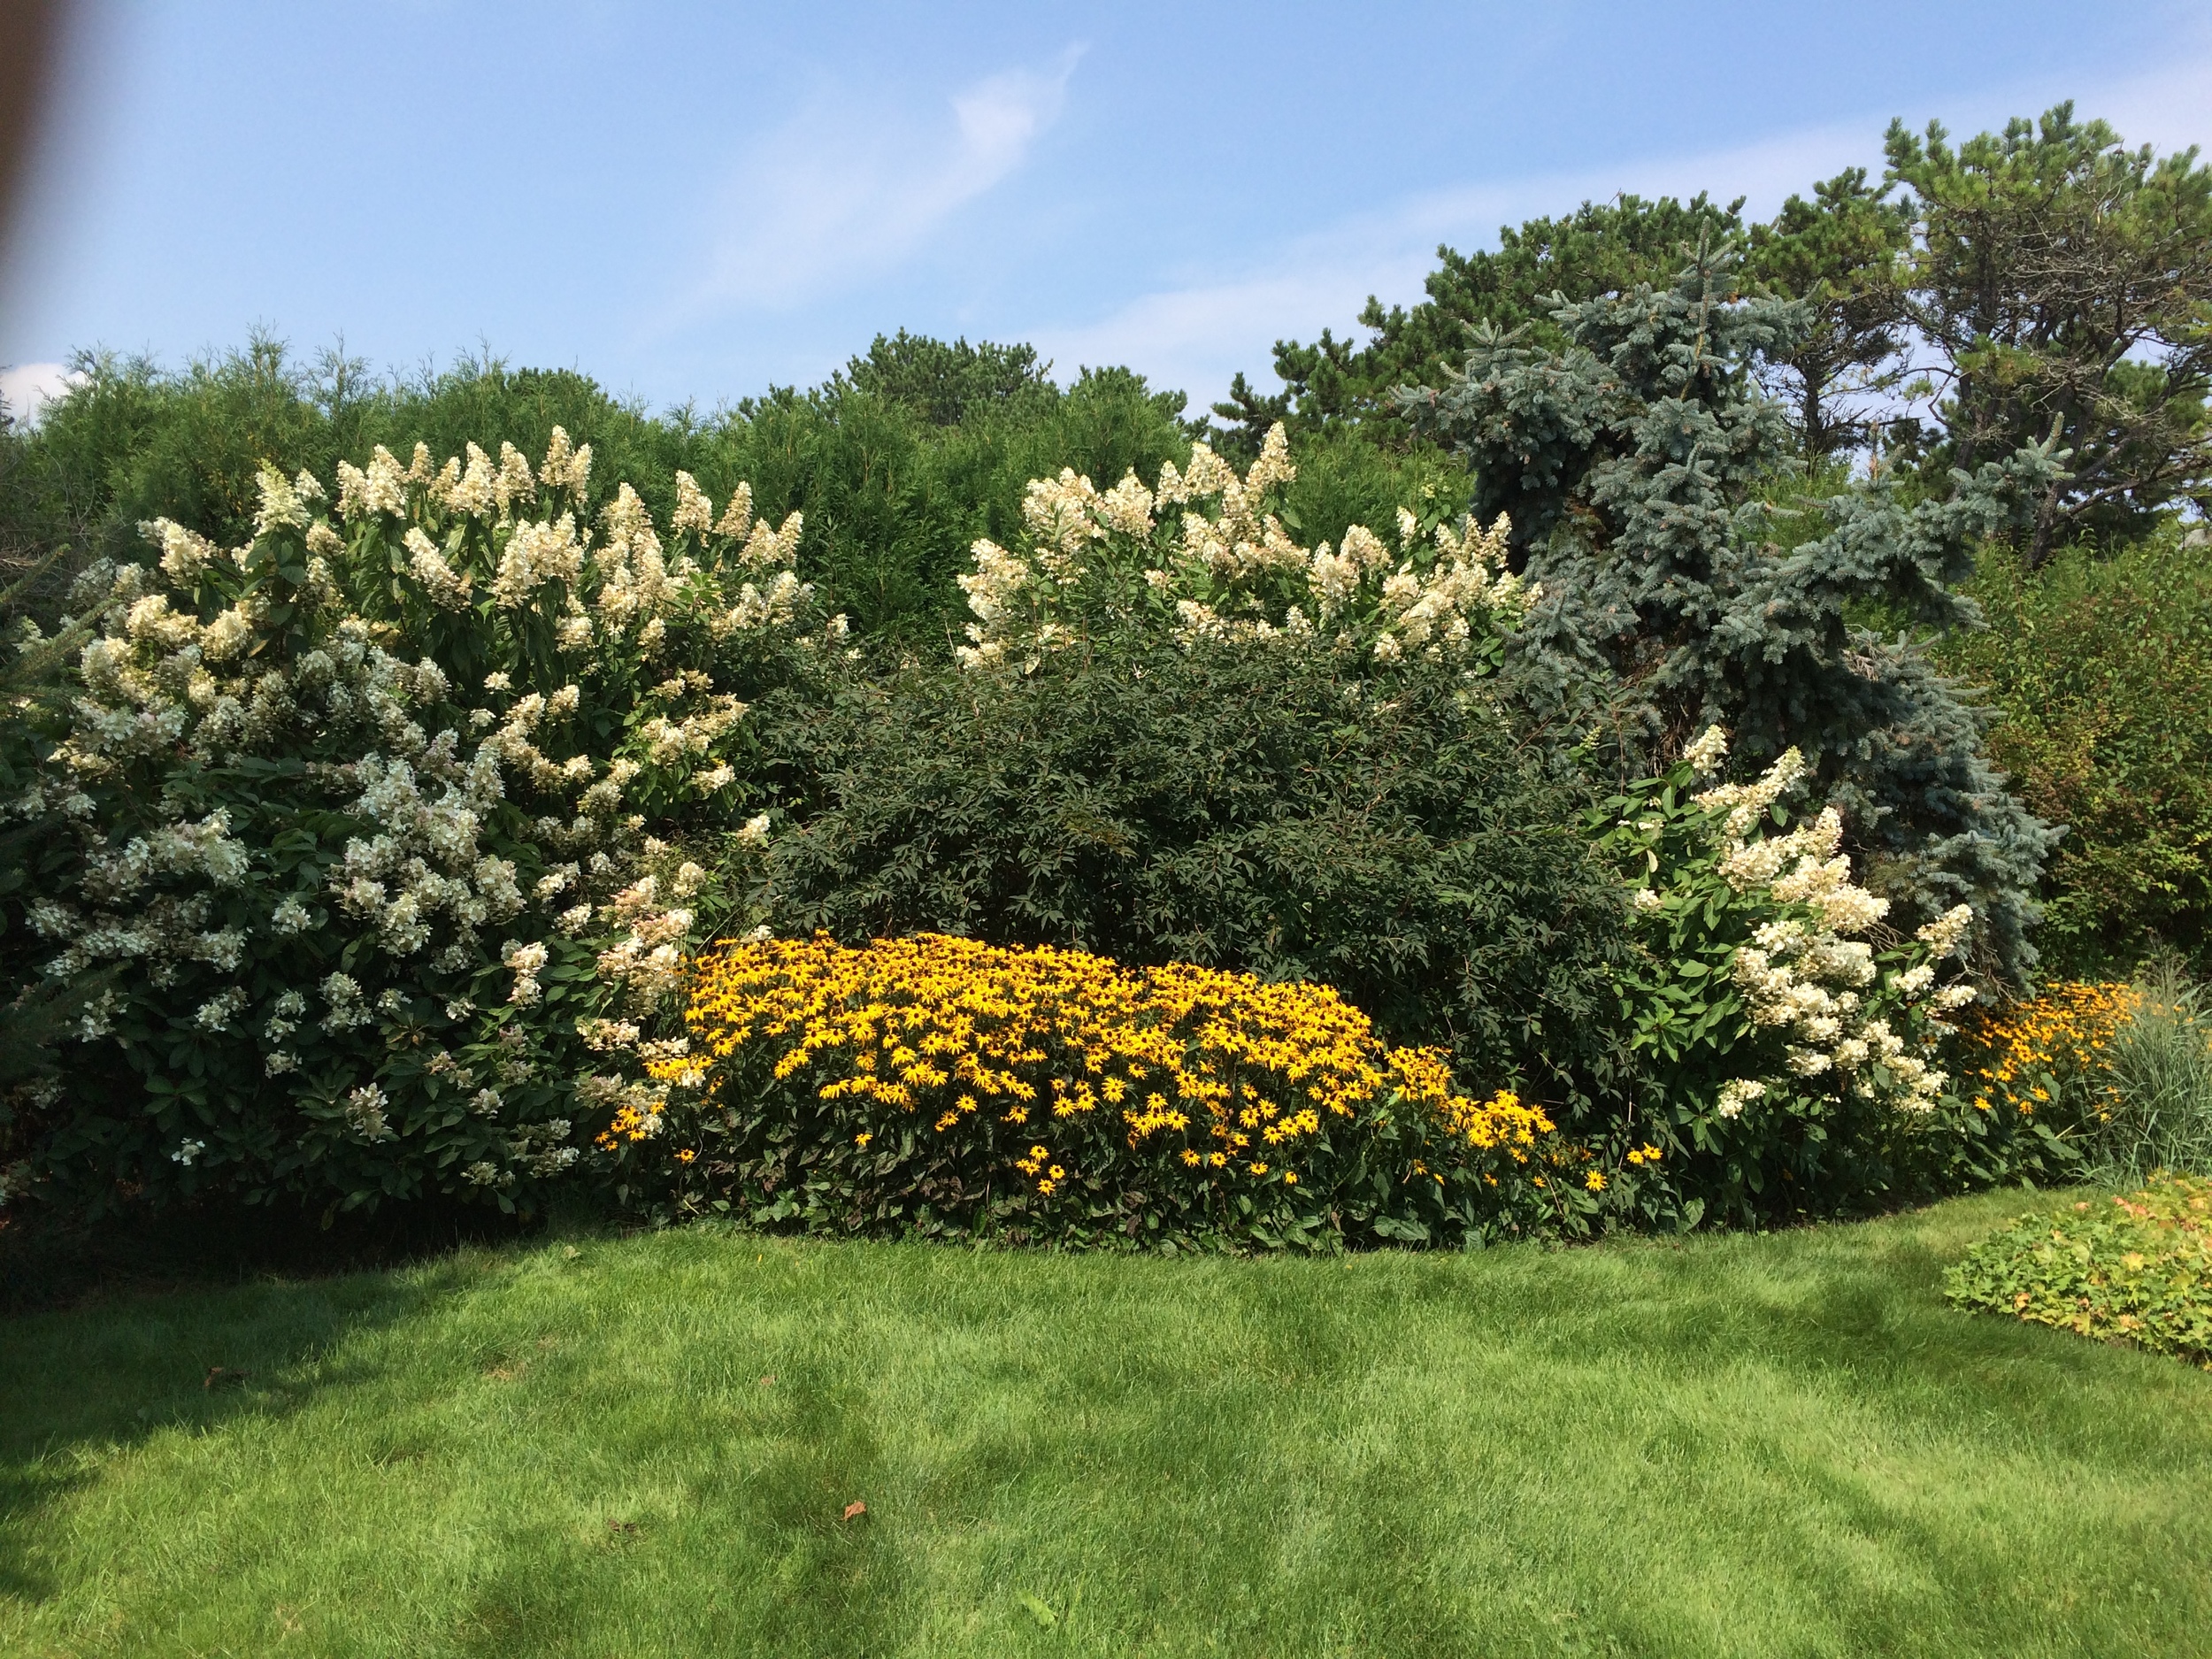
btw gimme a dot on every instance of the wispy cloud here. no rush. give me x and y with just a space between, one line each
1196 335
836 196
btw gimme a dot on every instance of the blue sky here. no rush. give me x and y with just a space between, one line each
690 202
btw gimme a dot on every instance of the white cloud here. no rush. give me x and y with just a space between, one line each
27 388
1195 336
835 197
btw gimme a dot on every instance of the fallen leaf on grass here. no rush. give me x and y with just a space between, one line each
854 1508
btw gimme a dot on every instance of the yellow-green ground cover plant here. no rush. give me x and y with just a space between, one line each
2136 1267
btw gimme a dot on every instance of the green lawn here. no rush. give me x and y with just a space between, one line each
1785 1445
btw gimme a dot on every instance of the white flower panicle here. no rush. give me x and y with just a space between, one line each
281 508
737 515
1811 979
695 513
1708 752
1737 1093
1946 934
1746 804
526 962
566 467
1225 568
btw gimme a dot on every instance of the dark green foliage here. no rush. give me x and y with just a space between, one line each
1344 479
2100 672
1634 464
942 383
2064 280
893 493
1238 809
1842 253
1601 248
893 501
130 442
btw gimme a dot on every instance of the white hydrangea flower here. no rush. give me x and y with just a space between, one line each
1736 1095
1708 752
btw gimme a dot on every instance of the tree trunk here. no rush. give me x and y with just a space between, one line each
2047 522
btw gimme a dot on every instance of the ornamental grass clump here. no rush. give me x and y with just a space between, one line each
2136 1268
943 1086
345 831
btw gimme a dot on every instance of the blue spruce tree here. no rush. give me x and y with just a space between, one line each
1685 583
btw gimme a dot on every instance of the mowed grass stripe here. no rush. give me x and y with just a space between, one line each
1738 1445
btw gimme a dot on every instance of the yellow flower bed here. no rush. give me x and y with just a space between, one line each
2051 1047
1053 1072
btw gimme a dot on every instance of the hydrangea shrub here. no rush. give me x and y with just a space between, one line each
364 837
1792 1043
1206 553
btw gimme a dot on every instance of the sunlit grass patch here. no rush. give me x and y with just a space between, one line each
1735 1445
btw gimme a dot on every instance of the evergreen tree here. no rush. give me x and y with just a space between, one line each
941 382
1601 248
1636 461
1843 254
2064 283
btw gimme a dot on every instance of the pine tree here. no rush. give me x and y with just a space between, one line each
1642 465
1843 254
2064 283
1601 248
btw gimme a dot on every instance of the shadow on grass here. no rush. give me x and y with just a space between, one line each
203 1317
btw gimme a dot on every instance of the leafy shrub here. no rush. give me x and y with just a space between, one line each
2138 1269
942 1086
1787 1043
2100 670
357 836
1260 809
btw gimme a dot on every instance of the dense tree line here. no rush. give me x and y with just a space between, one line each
2029 301
2043 283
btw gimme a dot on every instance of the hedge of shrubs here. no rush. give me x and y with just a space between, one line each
468 832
